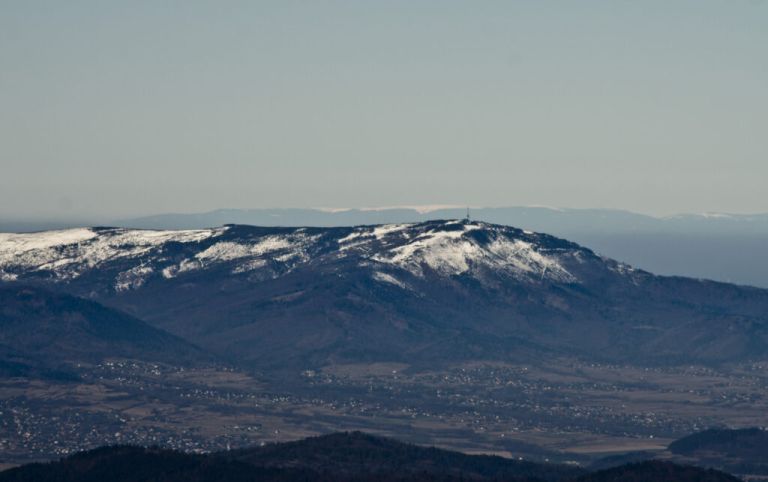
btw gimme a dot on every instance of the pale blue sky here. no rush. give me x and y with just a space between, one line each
126 108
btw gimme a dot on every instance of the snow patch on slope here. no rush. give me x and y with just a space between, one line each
24 242
249 255
363 236
446 252
35 249
228 250
67 253
132 278
380 232
452 252
388 278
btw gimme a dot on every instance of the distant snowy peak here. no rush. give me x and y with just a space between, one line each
391 252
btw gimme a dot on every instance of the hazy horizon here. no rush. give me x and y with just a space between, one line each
426 209
114 111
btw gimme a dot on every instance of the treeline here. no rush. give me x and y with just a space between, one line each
343 457
356 453
747 443
657 471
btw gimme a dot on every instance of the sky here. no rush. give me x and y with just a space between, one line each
112 109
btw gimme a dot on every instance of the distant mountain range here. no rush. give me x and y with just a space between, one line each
544 219
336 457
427 293
723 247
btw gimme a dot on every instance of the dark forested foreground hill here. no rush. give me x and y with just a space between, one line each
337 457
657 471
749 443
358 453
743 451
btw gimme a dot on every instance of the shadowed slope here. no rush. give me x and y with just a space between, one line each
41 332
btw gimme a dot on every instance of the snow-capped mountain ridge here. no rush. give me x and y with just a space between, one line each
428 292
447 248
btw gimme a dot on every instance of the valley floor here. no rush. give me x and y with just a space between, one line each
566 411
